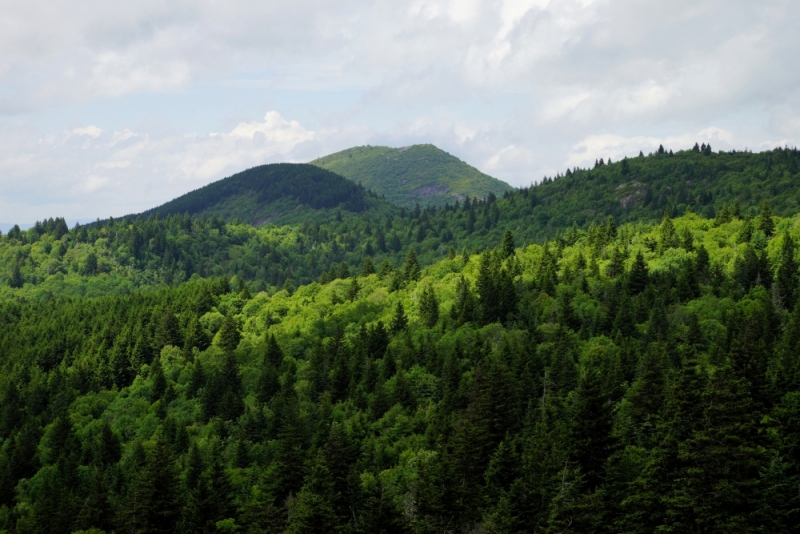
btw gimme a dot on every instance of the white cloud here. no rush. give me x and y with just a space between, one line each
519 88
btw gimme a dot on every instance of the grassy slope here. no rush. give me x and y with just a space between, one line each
403 174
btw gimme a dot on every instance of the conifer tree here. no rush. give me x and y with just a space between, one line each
16 280
787 275
411 266
638 278
429 307
368 268
765 222
507 246
590 428
648 507
156 490
195 336
229 335
668 236
353 289
399 320
313 509
168 331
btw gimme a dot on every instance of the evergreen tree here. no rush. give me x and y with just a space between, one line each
154 506
195 336
765 222
668 236
651 505
368 268
507 246
168 331
411 266
638 278
399 320
313 509
787 275
229 335
16 280
590 428
429 307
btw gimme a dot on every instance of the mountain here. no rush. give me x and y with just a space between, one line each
279 193
126 254
414 174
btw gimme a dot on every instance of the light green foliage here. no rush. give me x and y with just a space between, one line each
419 174
559 400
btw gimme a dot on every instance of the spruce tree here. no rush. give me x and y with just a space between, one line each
650 505
229 335
667 235
429 307
399 319
638 278
765 222
411 266
507 247
368 268
313 509
787 275
158 507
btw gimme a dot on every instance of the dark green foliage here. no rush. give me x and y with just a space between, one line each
308 185
399 320
428 307
555 394
229 335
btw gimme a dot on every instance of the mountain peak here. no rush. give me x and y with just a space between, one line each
417 174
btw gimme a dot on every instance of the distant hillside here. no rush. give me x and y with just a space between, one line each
280 193
406 176
641 188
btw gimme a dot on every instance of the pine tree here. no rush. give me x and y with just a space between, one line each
156 489
765 222
668 236
168 331
16 280
507 246
229 335
638 278
429 307
399 320
488 295
313 509
648 506
590 428
718 474
787 275
411 266
368 268
195 336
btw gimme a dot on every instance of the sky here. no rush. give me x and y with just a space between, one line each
112 107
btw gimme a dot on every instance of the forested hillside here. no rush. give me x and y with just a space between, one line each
282 193
641 188
632 378
419 174
144 252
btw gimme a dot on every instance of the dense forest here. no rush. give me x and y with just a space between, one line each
139 252
268 192
638 377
